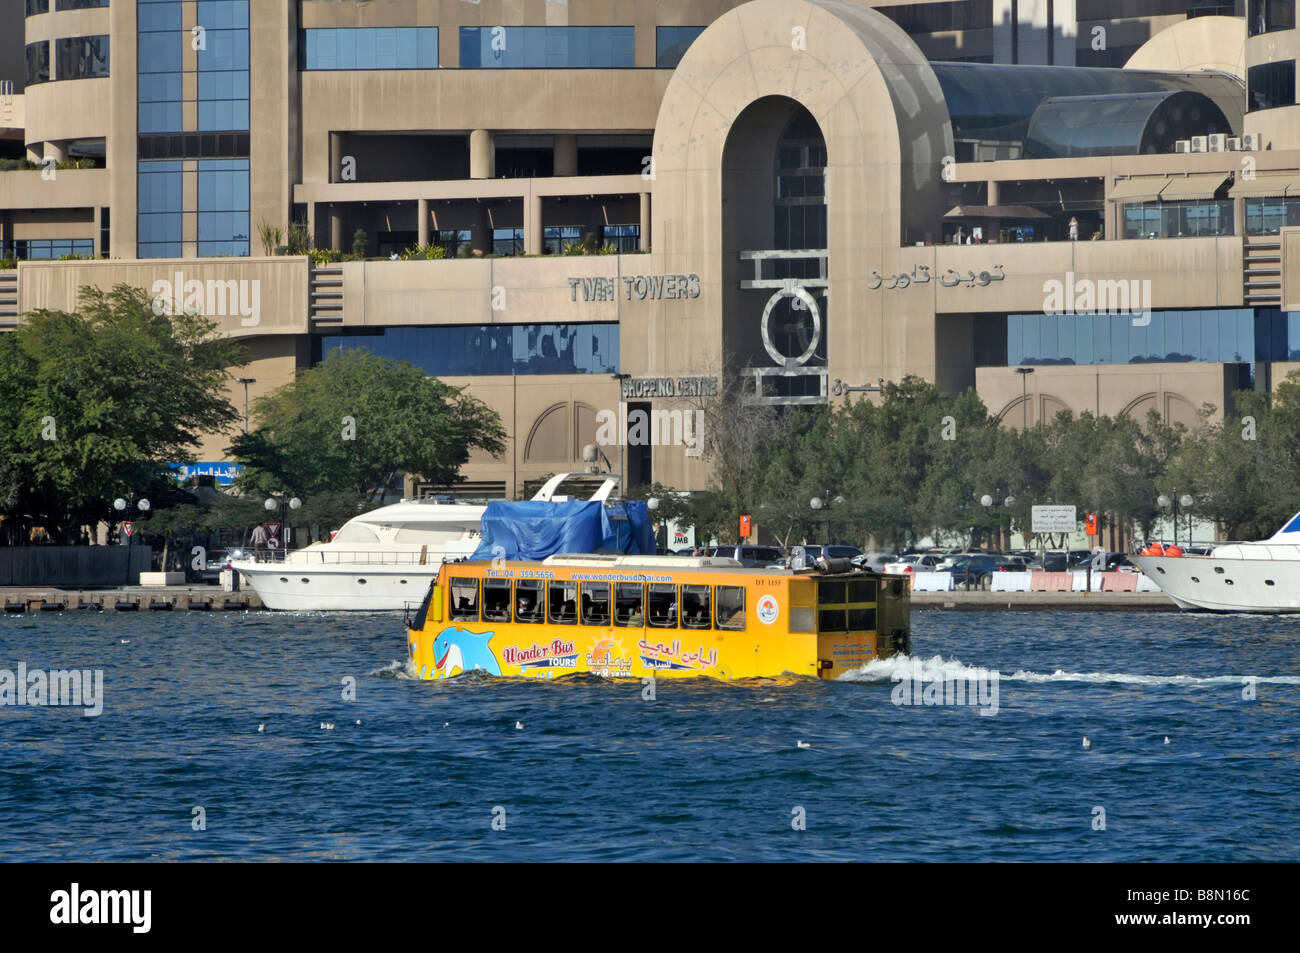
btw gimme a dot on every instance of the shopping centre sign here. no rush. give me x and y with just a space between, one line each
638 287
669 387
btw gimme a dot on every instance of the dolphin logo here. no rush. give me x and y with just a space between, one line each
455 649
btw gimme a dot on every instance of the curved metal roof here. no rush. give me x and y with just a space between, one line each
997 102
1119 123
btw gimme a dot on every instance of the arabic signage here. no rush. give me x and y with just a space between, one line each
669 387
638 287
1053 519
920 274
671 656
223 474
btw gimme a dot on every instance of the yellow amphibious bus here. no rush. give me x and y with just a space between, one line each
636 616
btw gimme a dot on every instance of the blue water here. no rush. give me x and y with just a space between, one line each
707 770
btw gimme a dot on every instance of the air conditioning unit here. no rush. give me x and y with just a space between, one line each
1200 144
1234 144
1183 145
1250 142
1217 142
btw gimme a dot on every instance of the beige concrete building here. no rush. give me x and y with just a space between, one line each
807 195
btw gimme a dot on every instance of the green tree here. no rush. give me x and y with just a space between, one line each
99 401
355 423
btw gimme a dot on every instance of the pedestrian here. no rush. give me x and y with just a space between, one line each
260 538
1074 229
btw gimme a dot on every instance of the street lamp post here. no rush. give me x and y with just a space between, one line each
142 504
622 437
1024 373
246 381
277 501
1172 503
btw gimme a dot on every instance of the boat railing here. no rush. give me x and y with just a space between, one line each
1258 549
330 556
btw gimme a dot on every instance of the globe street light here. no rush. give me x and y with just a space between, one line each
1186 502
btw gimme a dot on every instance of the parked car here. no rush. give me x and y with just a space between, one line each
875 561
916 562
1050 562
753 557
978 569
217 560
831 551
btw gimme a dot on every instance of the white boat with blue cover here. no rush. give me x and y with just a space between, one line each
381 560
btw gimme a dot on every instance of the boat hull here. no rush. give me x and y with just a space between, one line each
1226 584
342 588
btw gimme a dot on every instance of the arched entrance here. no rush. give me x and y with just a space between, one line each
774 250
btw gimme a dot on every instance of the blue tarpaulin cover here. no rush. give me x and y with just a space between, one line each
534 529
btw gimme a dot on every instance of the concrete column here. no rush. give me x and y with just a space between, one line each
1238 215
993 193
57 150
644 240
565 152
336 227
311 225
482 155
533 225
34 153
422 212
481 236
98 229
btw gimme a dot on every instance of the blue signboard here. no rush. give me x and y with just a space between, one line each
223 474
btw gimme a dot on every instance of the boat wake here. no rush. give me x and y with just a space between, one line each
937 668
396 669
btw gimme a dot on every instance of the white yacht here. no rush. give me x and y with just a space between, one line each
383 559
1235 577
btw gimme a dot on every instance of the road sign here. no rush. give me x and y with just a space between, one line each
1053 519
128 527
1090 524
744 527
273 528
274 543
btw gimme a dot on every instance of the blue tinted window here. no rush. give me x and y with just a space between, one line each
159 202
671 43
159 50
44 249
1215 335
38 62
463 351
81 57
547 47
223 207
370 48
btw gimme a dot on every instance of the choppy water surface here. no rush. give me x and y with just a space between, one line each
705 771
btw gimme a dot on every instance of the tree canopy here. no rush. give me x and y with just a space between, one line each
915 463
99 401
355 422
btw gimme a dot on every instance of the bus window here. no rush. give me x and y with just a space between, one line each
696 607
496 600
628 597
595 603
731 607
464 599
663 605
862 590
562 608
530 601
